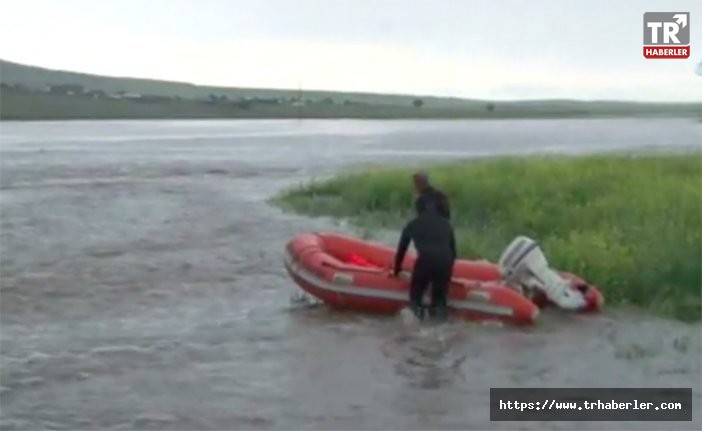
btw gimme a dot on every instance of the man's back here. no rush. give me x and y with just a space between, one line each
432 234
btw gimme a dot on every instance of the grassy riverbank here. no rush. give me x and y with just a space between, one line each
632 225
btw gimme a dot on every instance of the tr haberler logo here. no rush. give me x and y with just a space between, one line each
666 34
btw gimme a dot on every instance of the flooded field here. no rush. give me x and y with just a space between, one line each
142 284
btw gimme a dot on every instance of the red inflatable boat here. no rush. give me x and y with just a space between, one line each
350 273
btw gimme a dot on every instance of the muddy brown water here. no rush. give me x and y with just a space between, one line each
143 286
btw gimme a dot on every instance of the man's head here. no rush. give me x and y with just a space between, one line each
421 181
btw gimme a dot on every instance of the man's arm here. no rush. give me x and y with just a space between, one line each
405 239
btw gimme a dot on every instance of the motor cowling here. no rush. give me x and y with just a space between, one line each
523 264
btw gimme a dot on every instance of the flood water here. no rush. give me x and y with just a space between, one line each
143 285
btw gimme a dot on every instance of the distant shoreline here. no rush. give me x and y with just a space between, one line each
34 93
27 105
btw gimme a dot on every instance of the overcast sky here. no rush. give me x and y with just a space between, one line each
467 48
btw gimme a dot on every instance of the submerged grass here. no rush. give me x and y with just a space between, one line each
630 224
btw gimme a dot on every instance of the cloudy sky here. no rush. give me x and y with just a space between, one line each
587 49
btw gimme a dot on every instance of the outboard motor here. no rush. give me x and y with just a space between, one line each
524 264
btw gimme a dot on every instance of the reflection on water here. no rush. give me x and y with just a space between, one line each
143 286
429 358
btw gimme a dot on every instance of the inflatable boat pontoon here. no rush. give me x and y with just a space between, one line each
350 273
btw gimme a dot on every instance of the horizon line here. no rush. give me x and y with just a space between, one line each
369 93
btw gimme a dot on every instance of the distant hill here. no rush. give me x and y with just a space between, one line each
38 77
29 92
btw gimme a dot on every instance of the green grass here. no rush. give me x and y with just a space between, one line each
630 224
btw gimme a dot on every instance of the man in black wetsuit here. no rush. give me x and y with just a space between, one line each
430 195
435 243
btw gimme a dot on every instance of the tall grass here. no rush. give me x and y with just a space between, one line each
631 224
